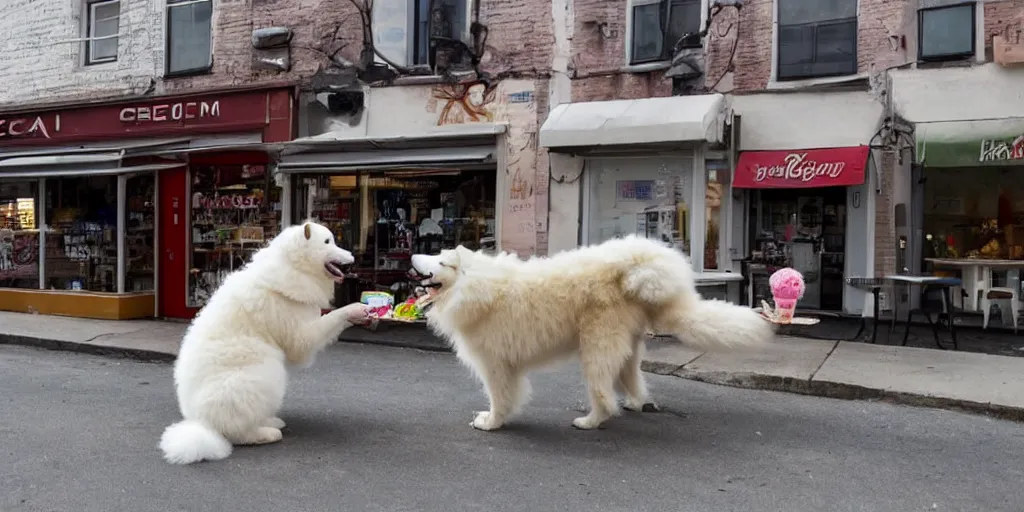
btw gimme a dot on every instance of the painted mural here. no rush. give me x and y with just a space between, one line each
512 102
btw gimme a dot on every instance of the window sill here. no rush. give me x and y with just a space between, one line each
646 67
91 66
775 85
187 73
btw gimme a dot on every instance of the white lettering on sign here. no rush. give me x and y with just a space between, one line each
797 167
994 150
171 112
28 127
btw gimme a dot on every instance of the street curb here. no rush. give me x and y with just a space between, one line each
837 390
149 356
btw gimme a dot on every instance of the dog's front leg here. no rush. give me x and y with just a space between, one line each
322 332
505 391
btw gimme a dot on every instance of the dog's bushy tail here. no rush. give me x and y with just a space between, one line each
716 325
189 441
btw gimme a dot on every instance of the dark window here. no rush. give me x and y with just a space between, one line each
448 21
102 20
659 26
945 33
189 36
817 38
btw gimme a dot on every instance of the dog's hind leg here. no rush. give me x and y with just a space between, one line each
603 360
632 381
506 390
260 435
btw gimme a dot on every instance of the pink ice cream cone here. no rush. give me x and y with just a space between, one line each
787 287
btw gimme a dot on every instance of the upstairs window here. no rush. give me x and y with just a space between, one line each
403 29
946 33
659 25
102 25
816 38
189 36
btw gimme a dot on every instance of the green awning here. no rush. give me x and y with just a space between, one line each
977 143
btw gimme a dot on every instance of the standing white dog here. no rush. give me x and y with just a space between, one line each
231 371
506 316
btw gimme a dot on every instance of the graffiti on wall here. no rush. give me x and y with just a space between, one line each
471 102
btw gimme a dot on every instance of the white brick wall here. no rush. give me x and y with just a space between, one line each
42 63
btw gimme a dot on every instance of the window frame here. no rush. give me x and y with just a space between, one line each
777 50
202 70
90 27
951 56
414 21
666 14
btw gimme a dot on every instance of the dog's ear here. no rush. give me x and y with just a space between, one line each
307 230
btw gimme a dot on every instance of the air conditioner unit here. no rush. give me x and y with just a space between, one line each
1006 52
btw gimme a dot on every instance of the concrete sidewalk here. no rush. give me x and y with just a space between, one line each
967 381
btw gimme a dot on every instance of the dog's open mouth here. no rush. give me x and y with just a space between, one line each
337 270
424 280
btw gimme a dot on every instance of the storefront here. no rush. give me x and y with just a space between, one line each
808 184
395 183
655 167
967 182
114 211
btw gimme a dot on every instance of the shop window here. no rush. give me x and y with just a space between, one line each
658 26
403 29
816 38
946 33
189 36
140 219
81 235
647 197
973 213
717 201
19 235
236 209
102 26
385 218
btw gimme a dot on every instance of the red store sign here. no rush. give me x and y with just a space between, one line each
242 111
808 168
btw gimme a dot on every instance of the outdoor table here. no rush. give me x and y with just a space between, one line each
875 286
977 274
943 284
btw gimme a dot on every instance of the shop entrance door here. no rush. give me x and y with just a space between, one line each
173 251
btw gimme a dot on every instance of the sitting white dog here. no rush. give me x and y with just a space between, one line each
231 371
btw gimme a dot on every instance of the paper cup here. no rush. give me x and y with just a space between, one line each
784 309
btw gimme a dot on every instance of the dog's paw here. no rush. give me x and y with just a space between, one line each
485 421
586 423
640 406
277 423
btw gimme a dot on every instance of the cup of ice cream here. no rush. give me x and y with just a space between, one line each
787 285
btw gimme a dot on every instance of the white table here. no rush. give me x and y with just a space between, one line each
977 275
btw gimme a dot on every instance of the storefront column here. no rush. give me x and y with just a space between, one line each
122 193
41 224
156 244
698 220
285 182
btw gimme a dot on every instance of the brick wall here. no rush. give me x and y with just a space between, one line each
752 64
45 60
885 227
1003 18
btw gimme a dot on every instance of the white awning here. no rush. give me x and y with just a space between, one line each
44 172
423 158
643 121
806 120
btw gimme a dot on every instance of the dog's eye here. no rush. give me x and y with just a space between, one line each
327 241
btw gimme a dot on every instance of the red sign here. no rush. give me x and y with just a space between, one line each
237 111
807 168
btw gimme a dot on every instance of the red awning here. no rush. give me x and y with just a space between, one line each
806 168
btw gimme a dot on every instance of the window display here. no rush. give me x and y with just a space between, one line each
140 219
649 197
81 235
716 200
385 218
19 237
235 210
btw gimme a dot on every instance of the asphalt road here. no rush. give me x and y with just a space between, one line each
373 428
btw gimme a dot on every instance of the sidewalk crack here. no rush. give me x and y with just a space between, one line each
815 372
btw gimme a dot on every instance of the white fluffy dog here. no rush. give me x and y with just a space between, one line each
231 371
506 316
